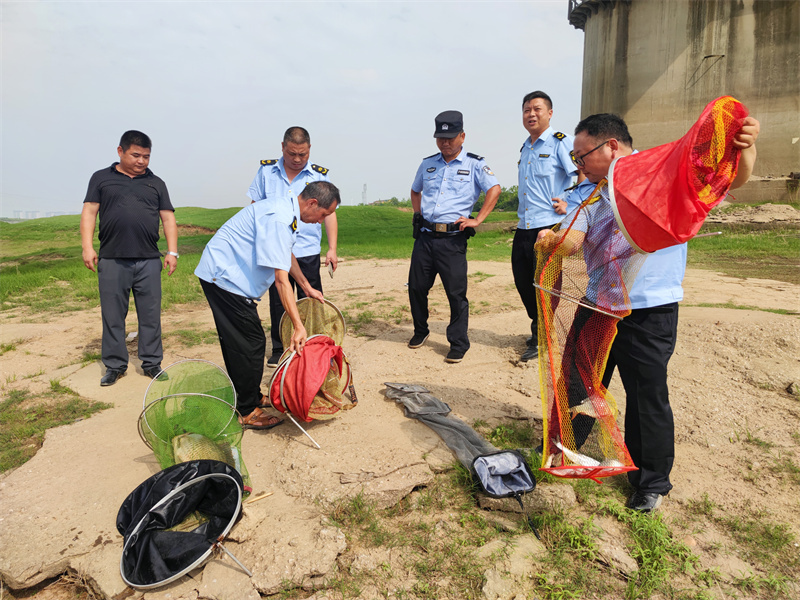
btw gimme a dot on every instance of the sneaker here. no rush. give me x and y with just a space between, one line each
275 359
530 353
155 373
644 502
417 340
454 356
111 377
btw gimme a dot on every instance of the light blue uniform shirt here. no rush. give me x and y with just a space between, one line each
545 171
660 278
272 182
449 190
242 256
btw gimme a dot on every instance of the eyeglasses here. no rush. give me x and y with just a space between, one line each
578 160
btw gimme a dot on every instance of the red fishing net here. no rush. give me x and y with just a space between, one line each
584 271
661 196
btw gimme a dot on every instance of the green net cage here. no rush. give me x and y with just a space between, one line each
190 414
191 376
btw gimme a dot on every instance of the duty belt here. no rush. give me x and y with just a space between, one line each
440 227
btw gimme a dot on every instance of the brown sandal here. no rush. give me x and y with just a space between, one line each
258 419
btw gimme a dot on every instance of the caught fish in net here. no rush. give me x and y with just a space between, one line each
196 419
662 196
584 270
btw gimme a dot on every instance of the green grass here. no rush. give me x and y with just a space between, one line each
745 250
192 336
24 418
41 267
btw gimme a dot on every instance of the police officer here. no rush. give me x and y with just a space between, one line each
274 179
545 171
443 193
249 253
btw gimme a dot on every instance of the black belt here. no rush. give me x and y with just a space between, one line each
441 227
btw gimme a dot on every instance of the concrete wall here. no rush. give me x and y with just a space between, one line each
657 63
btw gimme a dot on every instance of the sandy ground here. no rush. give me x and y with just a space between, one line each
728 378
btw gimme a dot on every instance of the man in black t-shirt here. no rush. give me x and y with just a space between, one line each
130 199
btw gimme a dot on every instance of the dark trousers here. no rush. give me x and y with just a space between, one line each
641 351
523 267
243 343
445 255
310 266
588 340
117 278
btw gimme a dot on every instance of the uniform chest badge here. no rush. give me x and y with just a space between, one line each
544 156
463 172
294 224
431 169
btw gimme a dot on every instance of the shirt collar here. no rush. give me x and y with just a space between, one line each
282 169
147 172
545 133
459 158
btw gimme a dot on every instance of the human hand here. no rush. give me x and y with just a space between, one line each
332 259
748 134
90 259
315 294
170 263
542 241
299 337
464 222
560 206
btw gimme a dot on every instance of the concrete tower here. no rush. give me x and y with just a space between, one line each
657 63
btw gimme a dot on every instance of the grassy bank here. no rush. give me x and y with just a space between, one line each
41 267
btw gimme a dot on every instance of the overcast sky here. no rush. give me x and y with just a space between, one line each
215 85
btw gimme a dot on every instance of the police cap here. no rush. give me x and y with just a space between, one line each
449 124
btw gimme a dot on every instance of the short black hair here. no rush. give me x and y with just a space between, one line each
323 191
537 94
134 138
604 126
296 135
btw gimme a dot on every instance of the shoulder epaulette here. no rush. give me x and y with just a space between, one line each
270 161
475 156
431 156
319 169
521 148
559 136
572 187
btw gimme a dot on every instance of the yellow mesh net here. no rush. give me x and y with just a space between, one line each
584 270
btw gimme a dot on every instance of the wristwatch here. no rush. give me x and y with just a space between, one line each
175 254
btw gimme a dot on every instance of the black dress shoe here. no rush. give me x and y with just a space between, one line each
155 372
417 340
111 376
645 502
275 358
530 353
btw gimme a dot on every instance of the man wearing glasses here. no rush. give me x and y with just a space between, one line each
545 171
646 338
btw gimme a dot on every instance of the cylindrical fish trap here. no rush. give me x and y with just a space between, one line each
191 426
173 522
191 376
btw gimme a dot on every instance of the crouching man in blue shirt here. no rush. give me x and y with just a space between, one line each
249 253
